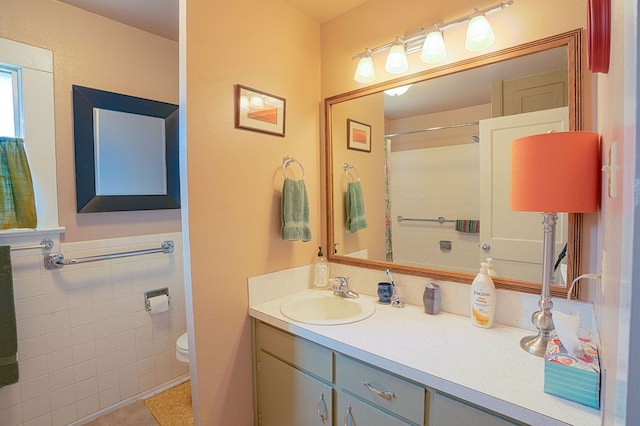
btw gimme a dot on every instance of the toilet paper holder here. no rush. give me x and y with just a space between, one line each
153 293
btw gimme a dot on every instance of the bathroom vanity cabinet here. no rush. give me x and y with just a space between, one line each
299 382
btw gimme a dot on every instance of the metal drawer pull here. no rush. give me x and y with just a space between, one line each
381 393
348 416
322 410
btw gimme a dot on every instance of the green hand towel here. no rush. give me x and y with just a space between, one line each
295 211
355 207
8 333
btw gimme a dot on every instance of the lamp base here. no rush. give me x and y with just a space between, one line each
536 345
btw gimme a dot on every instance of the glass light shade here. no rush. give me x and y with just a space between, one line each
556 172
397 91
365 71
433 49
397 58
479 34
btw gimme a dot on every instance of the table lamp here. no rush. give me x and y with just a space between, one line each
550 173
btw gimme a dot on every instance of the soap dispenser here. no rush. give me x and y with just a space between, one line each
483 299
320 271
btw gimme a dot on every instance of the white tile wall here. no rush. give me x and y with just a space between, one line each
85 342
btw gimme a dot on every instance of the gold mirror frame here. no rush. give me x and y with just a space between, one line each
573 40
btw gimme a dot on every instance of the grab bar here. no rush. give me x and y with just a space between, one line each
439 220
45 244
57 260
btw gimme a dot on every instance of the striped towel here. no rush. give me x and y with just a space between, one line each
469 226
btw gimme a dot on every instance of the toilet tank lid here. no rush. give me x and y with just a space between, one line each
183 342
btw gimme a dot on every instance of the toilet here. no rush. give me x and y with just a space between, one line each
182 348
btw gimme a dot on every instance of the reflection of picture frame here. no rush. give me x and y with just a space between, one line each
259 111
358 136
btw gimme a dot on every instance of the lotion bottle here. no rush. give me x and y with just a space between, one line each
483 299
490 271
320 271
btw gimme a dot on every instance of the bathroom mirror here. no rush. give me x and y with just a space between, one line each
454 98
126 152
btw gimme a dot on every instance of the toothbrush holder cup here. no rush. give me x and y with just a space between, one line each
385 290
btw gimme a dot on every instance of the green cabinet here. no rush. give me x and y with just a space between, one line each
381 389
293 379
448 411
351 411
301 383
290 397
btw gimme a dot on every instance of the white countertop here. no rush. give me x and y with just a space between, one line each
446 352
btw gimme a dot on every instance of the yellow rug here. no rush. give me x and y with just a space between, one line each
173 406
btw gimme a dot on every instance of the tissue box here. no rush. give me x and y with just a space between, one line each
576 378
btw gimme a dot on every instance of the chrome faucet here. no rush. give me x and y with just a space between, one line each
340 286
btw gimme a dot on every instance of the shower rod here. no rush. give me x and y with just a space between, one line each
431 129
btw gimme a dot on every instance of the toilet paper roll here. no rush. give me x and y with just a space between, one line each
159 304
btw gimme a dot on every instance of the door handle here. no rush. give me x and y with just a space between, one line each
486 247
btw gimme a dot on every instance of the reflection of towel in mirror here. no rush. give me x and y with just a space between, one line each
355 207
8 334
468 226
295 211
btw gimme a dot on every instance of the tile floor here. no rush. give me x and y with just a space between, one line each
133 414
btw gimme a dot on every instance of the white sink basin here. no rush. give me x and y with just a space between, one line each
324 308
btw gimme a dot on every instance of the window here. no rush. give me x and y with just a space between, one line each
26 72
10 97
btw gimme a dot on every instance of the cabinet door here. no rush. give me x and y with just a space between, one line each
446 411
351 411
289 397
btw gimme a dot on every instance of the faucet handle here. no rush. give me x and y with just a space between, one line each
342 282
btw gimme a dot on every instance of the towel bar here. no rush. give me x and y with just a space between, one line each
57 260
45 244
439 220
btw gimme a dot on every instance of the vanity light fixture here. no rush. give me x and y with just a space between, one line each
479 33
429 41
397 62
550 173
365 71
433 50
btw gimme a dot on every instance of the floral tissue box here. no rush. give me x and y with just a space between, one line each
576 378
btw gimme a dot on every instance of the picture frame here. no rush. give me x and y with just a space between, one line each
259 111
126 152
358 136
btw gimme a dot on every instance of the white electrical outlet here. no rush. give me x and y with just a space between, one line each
603 261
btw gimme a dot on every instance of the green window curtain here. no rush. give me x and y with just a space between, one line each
18 208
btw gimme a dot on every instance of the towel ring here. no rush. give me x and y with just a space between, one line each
346 167
286 161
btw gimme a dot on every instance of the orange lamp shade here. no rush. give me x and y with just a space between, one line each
556 172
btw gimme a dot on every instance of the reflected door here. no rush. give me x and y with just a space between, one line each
513 239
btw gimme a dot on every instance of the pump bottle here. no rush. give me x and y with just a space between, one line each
320 271
483 299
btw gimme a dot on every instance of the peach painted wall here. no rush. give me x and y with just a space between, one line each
93 51
235 179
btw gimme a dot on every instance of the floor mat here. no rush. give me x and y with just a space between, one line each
173 406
